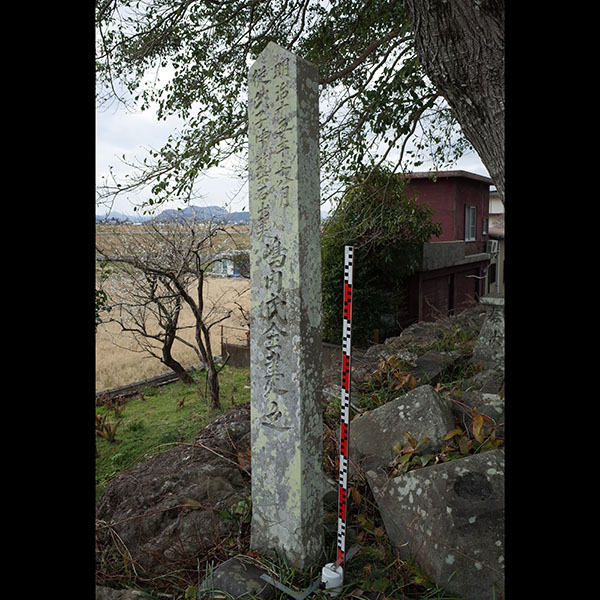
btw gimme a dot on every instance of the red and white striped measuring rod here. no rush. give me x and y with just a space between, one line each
345 405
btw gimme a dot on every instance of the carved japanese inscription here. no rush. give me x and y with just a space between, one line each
285 305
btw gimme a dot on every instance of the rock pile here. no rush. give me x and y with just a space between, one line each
448 517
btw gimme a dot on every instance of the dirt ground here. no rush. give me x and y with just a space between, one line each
118 357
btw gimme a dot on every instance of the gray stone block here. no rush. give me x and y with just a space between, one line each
449 518
431 365
422 412
489 347
237 578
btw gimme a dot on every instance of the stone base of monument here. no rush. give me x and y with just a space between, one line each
237 578
240 579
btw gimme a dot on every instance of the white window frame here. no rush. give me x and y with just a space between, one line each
470 223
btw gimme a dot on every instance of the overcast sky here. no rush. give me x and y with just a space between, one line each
120 132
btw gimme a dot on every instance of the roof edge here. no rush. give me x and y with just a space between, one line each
442 174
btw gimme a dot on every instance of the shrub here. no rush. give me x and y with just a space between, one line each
387 230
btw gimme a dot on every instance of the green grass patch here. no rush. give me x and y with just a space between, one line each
161 416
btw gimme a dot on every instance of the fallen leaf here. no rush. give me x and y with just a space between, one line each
477 427
241 459
356 496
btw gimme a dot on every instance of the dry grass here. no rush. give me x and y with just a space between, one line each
228 237
119 361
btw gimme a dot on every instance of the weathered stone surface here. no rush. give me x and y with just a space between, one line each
489 405
285 305
417 334
450 519
422 412
149 508
384 351
237 578
106 593
489 347
432 364
490 380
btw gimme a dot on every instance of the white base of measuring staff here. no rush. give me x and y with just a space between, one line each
332 577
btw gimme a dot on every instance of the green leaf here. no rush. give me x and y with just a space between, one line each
190 592
365 523
452 433
381 584
465 445
426 458
424 441
404 459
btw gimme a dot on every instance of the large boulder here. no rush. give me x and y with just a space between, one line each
449 518
165 511
422 412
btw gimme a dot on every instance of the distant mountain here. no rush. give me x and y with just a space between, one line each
121 217
202 213
189 213
197 213
239 217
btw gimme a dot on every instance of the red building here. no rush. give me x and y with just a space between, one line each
453 265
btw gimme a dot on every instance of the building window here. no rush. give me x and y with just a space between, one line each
470 223
484 227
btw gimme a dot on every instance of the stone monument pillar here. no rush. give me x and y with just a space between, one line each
285 306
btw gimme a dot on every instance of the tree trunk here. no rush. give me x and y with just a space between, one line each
167 357
213 385
181 372
203 343
202 334
175 365
460 44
